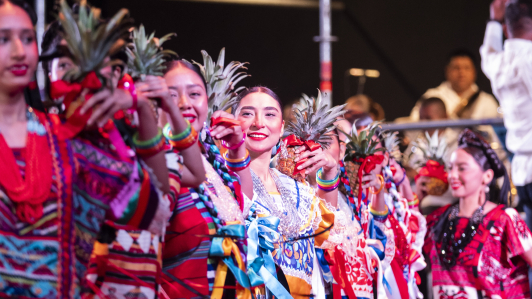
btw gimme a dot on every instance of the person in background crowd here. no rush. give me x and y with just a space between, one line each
362 104
462 97
431 109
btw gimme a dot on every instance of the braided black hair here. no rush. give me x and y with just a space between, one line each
485 156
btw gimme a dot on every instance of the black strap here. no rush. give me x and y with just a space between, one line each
470 103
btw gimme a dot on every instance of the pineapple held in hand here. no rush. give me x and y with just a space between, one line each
221 81
434 149
360 151
313 120
90 42
145 55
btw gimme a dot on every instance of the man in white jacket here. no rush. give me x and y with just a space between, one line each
462 97
509 69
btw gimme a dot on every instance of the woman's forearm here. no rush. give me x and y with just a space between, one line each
193 172
147 130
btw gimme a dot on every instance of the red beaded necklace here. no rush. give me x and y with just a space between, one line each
29 192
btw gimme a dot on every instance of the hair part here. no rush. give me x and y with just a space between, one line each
259 89
25 6
175 63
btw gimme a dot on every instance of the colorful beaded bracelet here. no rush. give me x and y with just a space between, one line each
413 202
327 185
183 140
380 216
150 147
237 164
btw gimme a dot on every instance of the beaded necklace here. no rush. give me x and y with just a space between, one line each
288 214
451 248
29 192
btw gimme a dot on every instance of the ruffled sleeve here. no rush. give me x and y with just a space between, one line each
517 237
338 220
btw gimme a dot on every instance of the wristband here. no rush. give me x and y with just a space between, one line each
413 203
237 164
402 180
224 144
381 187
380 216
327 185
182 140
150 147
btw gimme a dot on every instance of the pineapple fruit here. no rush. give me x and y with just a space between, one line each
360 146
433 148
313 120
221 82
90 42
145 56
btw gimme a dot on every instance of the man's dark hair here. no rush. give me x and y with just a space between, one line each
461 52
433 101
515 12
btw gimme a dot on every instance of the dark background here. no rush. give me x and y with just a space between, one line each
407 41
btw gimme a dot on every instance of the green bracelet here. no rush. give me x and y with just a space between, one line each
144 144
167 131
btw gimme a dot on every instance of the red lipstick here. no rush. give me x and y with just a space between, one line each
257 136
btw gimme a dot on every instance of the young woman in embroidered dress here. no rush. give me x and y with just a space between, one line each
301 211
479 248
407 224
359 252
55 193
194 264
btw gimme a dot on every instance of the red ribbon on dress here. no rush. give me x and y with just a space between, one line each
337 265
433 169
224 121
368 164
310 145
76 122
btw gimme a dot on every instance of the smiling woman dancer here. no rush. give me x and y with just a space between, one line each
478 249
194 264
55 193
301 212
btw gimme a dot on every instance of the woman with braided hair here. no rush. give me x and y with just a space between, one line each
196 262
479 247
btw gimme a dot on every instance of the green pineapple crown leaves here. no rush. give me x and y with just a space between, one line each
362 145
433 148
90 41
314 119
391 143
221 81
145 55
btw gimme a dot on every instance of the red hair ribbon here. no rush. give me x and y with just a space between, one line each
433 169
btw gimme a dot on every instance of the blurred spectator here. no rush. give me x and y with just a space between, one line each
509 69
359 104
430 109
288 113
461 95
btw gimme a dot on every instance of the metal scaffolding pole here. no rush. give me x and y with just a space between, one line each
325 40
437 124
40 9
